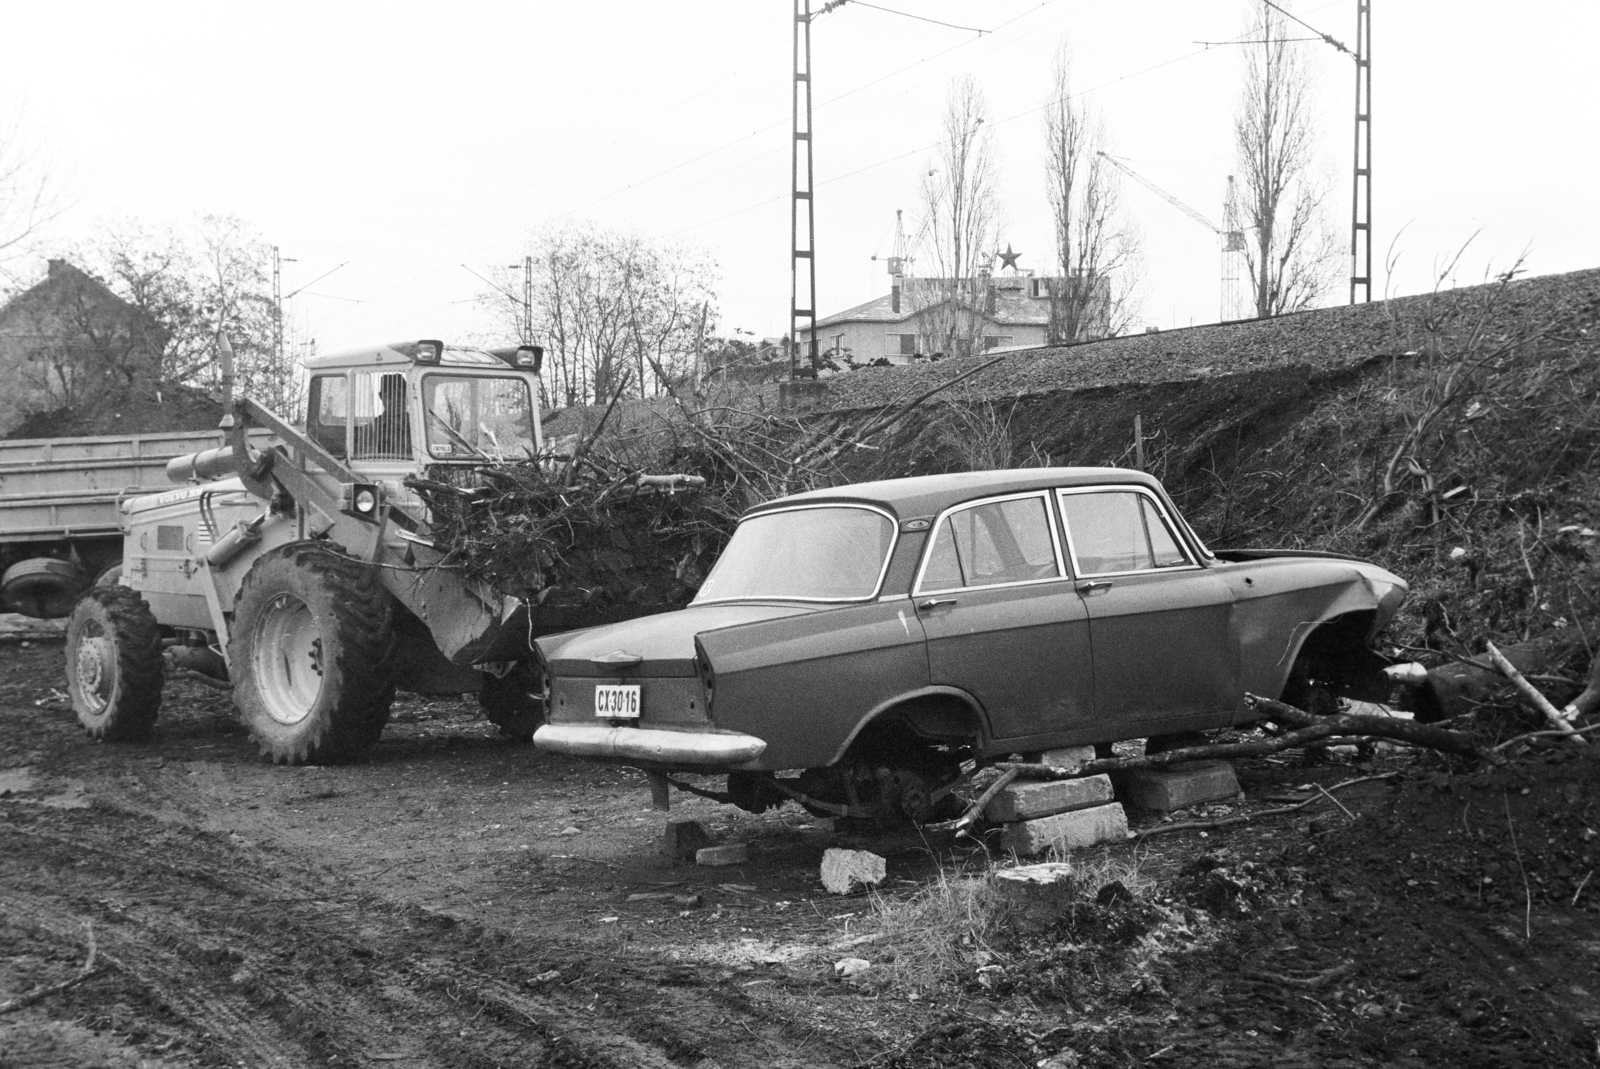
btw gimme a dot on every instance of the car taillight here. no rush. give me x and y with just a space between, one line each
702 668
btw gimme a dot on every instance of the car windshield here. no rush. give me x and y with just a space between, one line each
473 417
831 553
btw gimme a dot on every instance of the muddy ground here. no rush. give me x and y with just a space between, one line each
459 901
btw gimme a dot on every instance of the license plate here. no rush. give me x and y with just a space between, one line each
617 700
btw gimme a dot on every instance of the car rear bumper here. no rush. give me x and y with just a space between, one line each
654 745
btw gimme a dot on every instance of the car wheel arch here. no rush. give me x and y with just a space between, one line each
1339 647
927 705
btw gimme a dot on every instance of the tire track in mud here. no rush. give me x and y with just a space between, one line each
272 963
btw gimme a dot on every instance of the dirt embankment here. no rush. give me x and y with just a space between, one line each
1449 437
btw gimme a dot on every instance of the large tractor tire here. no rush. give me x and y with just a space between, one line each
311 656
114 668
513 702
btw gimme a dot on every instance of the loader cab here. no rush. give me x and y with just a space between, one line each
417 405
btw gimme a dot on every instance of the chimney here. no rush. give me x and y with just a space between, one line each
894 294
55 267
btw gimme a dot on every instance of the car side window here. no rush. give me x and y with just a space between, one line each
1119 531
1164 546
991 544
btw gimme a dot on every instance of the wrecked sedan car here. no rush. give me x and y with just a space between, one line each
875 637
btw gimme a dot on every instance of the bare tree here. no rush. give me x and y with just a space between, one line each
609 307
960 207
1290 254
29 198
1096 246
187 282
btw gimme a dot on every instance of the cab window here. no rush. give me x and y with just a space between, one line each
327 412
474 417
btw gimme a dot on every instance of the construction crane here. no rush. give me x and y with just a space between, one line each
898 260
1231 233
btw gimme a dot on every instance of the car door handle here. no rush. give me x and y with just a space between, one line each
934 603
1094 586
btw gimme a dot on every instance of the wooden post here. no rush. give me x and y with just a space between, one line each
1138 442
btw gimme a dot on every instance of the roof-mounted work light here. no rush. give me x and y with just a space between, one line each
523 357
429 352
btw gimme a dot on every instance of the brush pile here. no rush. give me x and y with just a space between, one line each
589 529
633 542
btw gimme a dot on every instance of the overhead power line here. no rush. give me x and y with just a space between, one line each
904 14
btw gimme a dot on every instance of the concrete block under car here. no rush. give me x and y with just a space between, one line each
682 839
1043 798
1067 831
1180 786
732 854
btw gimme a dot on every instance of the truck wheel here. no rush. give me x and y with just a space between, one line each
513 702
114 669
312 656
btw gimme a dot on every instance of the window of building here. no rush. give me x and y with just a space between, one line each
901 345
993 341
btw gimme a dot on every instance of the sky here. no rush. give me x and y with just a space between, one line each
392 150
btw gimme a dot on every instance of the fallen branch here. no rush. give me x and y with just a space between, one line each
1552 733
1530 692
1385 727
30 997
1245 818
975 810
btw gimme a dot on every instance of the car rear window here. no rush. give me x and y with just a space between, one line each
828 553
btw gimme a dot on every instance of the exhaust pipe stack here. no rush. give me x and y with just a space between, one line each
223 460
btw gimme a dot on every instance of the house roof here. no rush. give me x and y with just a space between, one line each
1008 310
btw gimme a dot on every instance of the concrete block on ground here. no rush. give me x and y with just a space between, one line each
1192 783
682 839
1067 831
731 854
1031 799
1072 757
843 871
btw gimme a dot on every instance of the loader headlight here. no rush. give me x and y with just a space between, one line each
363 501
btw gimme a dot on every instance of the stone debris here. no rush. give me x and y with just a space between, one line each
845 968
1163 790
730 854
845 871
682 839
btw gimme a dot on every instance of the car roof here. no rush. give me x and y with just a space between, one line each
928 495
